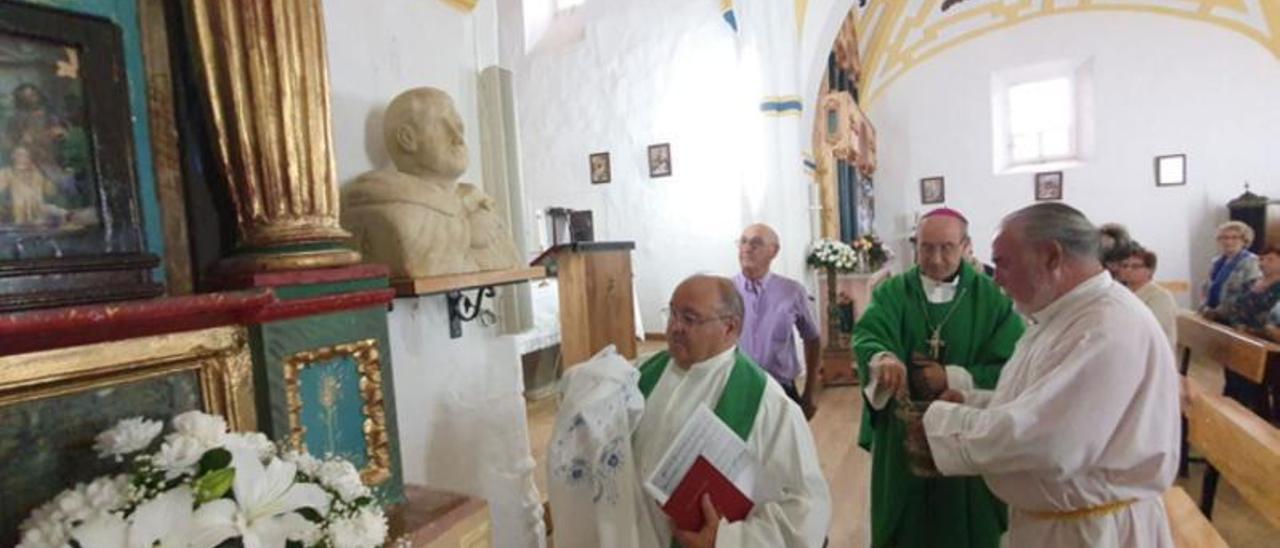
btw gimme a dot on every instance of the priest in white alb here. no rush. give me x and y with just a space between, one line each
1081 434
704 366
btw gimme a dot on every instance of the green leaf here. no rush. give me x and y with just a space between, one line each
363 501
214 459
214 485
311 514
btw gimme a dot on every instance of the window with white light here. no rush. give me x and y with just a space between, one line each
1041 115
566 5
1041 126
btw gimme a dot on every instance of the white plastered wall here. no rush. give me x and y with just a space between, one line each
1162 85
459 401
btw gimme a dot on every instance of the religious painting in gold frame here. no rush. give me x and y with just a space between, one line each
54 402
334 397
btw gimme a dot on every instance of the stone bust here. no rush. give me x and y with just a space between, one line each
415 216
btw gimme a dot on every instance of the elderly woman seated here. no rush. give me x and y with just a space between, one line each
1136 271
1250 311
1232 273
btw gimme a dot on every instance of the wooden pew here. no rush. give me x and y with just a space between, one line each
1248 356
1239 445
1189 527
1254 359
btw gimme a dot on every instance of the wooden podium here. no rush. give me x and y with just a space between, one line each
597 307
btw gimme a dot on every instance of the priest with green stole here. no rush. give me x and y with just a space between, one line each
704 367
939 329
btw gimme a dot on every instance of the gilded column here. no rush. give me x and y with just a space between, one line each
263 69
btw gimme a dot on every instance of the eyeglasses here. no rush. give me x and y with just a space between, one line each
752 243
687 318
1229 237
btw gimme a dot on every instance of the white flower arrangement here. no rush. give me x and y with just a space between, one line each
204 486
833 254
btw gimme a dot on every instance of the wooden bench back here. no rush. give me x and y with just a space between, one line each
1246 355
1242 446
1189 527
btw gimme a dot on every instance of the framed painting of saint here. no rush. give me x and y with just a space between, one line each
660 160
600 170
1048 186
933 190
70 222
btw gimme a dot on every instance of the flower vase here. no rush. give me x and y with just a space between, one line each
864 262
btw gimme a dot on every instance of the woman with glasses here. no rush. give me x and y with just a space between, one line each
1232 272
1248 311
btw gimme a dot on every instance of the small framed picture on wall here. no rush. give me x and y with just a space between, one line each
1048 186
933 190
600 170
660 160
1171 170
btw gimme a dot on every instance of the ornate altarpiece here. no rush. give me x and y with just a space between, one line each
238 94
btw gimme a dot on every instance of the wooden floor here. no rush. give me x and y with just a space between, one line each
847 469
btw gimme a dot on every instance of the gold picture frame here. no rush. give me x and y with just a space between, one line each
54 402
219 356
369 364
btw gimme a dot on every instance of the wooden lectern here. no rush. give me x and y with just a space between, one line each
597 307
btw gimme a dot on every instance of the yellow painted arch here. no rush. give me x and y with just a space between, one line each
885 26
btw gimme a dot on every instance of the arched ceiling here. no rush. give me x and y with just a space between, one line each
895 36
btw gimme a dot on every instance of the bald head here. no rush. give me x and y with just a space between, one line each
763 231
423 134
756 250
705 319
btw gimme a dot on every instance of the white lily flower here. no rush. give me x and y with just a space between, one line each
264 513
162 522
106 531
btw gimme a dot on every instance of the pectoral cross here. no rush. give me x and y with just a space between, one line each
935 345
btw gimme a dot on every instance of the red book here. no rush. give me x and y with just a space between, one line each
685 506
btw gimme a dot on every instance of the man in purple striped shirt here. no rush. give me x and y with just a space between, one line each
774 307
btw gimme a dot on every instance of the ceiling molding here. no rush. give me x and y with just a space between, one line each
898 35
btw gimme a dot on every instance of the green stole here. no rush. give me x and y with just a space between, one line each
739 401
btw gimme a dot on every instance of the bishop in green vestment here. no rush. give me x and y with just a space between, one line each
946 311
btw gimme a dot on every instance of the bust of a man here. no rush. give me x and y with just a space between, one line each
416 217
